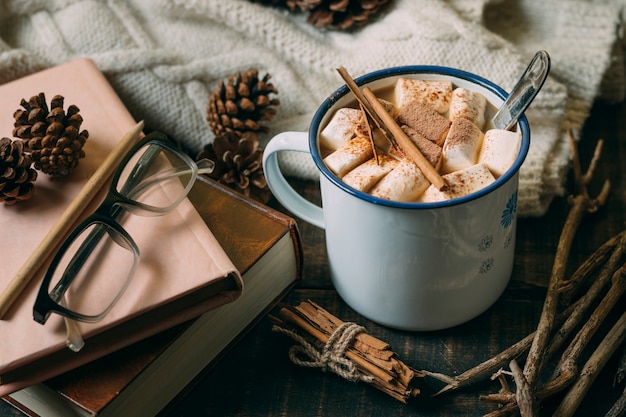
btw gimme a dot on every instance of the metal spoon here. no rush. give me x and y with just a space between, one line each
524 92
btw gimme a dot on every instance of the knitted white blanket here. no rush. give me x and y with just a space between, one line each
164 57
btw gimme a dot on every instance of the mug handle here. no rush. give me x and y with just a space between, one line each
288 197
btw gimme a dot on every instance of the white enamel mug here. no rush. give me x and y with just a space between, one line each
411 266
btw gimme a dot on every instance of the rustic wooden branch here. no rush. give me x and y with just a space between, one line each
611 342
537 352
481 370
583 337
567 369
523 394
568 374
589 265
581 204
510 407
618 246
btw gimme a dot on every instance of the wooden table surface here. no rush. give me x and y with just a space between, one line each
257 379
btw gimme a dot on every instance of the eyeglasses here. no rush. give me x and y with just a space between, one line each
95 264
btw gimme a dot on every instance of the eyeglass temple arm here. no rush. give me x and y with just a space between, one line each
73 339
205 166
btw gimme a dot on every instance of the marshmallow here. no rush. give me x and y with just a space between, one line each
431 93
346 158
425 120
340 129
499 150
430 151
468 105
462 146
405 182
364 176
460 183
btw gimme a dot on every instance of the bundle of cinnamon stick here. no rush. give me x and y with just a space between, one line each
372 359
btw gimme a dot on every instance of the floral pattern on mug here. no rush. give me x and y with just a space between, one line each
486 266
485 243
508 214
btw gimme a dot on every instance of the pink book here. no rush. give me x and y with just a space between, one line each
182 273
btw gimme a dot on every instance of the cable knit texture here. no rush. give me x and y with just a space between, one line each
164 57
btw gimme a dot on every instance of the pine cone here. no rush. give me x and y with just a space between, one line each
334 14
342 14
238 164
16 174
52 137
239 105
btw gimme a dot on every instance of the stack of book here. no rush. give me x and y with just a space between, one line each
138 360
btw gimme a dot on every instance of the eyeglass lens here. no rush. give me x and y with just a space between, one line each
90 282
157 178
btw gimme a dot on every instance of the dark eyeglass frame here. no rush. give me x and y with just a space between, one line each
107 214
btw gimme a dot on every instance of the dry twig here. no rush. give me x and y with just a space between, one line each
614 338
581 204
567 369
524 394
582 339
618 246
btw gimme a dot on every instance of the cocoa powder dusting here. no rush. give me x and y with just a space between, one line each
430 124
430 150
461 130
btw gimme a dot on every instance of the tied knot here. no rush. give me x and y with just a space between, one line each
332 356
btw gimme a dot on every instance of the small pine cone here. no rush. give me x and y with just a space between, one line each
238 164
16 174
341 14
240 104
52 136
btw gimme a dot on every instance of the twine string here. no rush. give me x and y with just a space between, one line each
333 355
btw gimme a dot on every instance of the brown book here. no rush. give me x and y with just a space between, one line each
176 245
141 379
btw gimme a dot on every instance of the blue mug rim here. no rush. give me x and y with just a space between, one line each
412 70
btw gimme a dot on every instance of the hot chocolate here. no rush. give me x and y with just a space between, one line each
448 124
